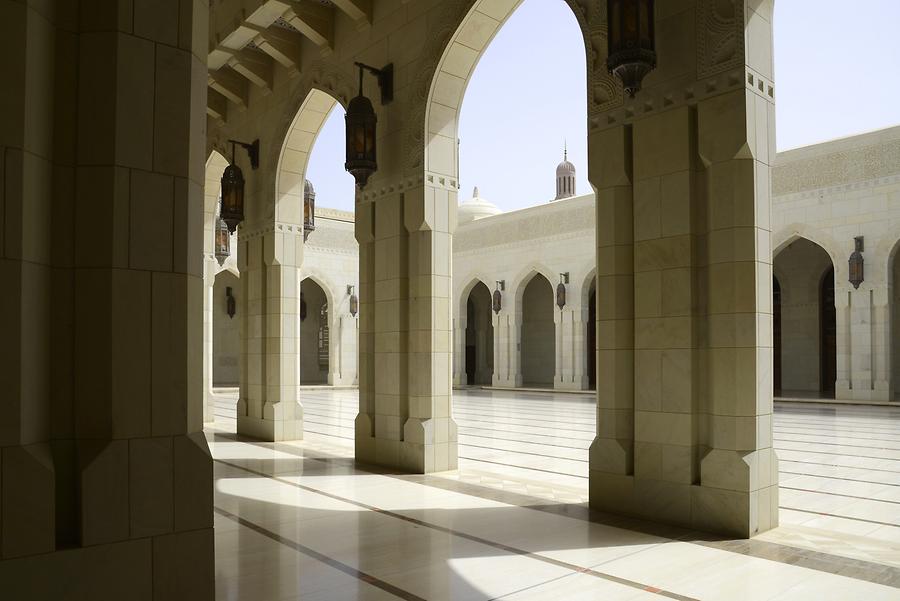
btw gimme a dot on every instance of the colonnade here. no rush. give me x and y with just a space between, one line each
506 349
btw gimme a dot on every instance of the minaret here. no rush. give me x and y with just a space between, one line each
565 177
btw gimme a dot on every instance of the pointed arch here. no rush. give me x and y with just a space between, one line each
293 157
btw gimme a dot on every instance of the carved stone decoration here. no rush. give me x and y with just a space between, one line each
450 18
720 30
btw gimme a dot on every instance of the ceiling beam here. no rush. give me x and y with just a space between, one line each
282 45
255 66
359 11
313 20
216 105
230 85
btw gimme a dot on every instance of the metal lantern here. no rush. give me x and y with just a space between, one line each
354 301
232 197
561 290
631 41
232 211
497 303
857 263
360 121
302 308
309 209
223 241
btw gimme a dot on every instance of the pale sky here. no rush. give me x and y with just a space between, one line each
837 67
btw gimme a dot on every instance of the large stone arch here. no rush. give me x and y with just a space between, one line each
467 30
298 143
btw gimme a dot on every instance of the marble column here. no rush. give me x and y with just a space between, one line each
684 317
507 348
106 473
883 355
405 254
863 343
269 406
843 386
571 371
209 280
460 323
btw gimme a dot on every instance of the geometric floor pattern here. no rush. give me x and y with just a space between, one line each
300 520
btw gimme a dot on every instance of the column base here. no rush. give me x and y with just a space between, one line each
270 430
423 450
709 507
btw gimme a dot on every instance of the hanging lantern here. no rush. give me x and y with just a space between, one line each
302 308
223 241
631 41
232 208
360 122
561 290
857 263
309 209
497 304
354 301
232 197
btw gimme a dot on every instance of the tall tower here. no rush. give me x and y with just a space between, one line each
565 177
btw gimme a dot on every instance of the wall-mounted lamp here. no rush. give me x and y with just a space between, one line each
631 41
309 209
232 211
857 262
561 290
230 304
497 303
354 301
360 122
223 241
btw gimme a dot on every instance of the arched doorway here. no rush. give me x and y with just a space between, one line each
226 331
479 337
315 335
591 337
538 334
804 321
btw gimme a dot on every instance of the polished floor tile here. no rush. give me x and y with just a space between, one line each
299 520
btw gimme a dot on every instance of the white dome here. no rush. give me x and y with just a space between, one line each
475 208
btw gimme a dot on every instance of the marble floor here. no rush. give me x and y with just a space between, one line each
300 520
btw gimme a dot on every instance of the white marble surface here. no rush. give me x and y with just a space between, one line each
298 520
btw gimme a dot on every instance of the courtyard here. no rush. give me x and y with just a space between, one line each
301 519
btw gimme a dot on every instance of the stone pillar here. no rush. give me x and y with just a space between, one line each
571 371
881 329
105 469
863 342
405 257
843 388
460 324
684 429
209 280
346 334
612 452
483 369
507 347
270 256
